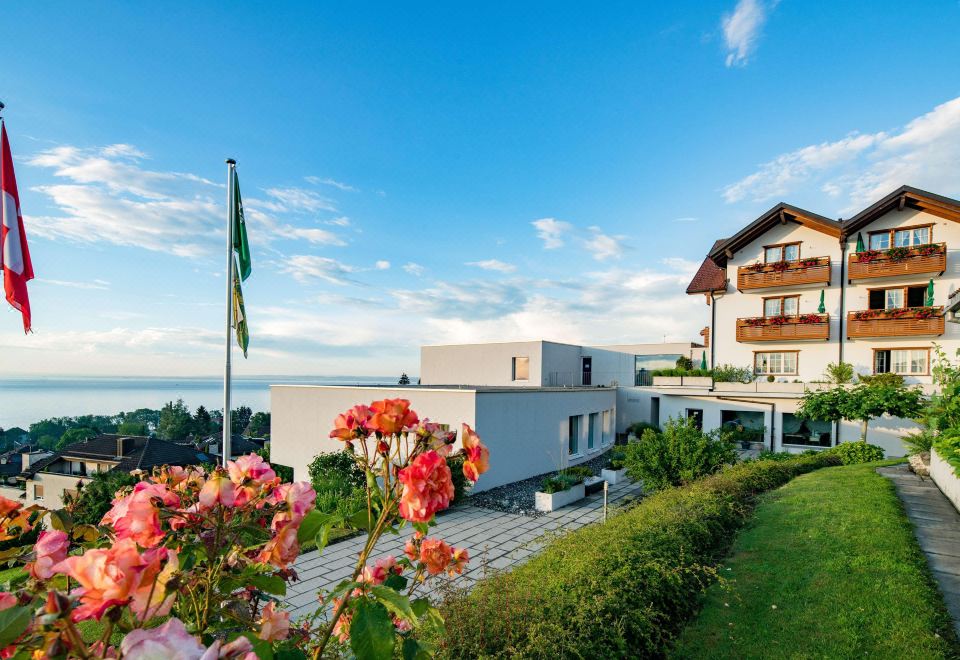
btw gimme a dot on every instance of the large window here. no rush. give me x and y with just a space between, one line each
904 361
896 297
521 368
806 432
781 306
780 363
906 237
607 436
573 438
593 427
785 252
744 424
696 414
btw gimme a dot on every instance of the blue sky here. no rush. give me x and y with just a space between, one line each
431 173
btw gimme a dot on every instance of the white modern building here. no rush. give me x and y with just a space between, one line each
539 405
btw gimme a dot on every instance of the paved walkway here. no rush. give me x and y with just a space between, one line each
937 526
494 540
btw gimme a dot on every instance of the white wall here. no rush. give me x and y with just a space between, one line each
527 431
814 355
479 364
859 352
302 416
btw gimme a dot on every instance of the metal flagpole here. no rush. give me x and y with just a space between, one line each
231 165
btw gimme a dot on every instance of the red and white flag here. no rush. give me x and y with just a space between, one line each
14 254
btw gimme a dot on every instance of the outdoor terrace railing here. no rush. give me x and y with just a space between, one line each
920 260
898 322
784 328
813 270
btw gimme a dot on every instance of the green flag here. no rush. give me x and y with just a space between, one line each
823 307
240 314
240 245
929 301
860 247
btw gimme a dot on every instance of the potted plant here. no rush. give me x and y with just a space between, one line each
808 319
756 322
897 254
809 263
559 490
868 256
928 249
616 470
779 320
926 313
779 266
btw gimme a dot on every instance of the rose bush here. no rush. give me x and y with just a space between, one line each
191 563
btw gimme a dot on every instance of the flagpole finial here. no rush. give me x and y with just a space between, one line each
231 161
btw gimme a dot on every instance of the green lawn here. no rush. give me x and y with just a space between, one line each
828 568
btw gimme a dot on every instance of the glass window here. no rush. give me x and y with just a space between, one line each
809 432
789 363
879 241
772 254
918 362
790 306
907 362
592 427
607 436
38 491
791 252
894 298
573 439
921 235
696 414
901 238
771 307
776 363
521 368
881 362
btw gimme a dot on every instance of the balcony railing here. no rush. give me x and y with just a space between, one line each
784 328
919 260
815 270
898 322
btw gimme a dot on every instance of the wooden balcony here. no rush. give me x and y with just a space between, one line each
895 262
815 270
900 322
784 328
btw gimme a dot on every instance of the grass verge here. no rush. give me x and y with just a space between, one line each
827 568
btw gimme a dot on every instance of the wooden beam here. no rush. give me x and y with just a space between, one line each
903 202
783 217
729 253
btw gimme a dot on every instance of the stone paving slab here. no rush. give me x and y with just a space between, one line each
495 541
936 524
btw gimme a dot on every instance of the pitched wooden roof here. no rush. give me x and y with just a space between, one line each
781 213
901 198
709 277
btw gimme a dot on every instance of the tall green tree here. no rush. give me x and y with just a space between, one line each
240 419
176 422
259 424
132 427
72 436
202 421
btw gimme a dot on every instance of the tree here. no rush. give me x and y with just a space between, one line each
202 421
839 373
76 435
47 427
259 425
176 423
404 379
861 403
684 363
240 419
678 454
132 428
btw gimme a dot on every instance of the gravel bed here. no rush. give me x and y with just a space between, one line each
518 497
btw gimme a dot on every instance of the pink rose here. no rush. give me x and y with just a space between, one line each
379 572
352 424
7 600
217 490
51 548
281 550
298 496
169 641
136 516
274 625
477 455
427 487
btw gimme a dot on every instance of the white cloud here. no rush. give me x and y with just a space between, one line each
741 30
297 199
860 168
308 267
383 264
319 180
414 268
603 246
102 285
686 219
493 264
551 231
342 221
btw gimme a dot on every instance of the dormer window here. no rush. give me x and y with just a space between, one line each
782 252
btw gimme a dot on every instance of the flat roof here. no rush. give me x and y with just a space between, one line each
456 388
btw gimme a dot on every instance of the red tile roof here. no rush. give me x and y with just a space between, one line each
710 276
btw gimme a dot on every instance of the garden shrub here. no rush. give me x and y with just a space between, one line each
95 497
682 372
637 428
727 373
616 458
893 380
620 589
679 454
684 363
851 453
565 478
339 483
947 445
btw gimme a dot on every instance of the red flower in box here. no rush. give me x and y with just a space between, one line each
756 268
808 319
926 313
808 263
779 266
864 314
756 322
779 320
868 256
929 249
897 312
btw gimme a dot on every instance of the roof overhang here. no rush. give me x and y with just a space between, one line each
782 213
905 197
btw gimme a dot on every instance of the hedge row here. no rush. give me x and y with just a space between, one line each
620 589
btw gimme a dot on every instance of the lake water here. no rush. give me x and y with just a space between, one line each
24 401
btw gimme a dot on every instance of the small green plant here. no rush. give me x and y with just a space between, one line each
616 458
637 428
727 373
701 373
771 378
893 380
563 480
851 453
839 373
681 453
577 472
767 455
947 445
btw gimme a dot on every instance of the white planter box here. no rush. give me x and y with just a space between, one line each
943 475
614 477
667 381
697 381
553 501
734 387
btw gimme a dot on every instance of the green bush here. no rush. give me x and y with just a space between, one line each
637 428
616 458
840 373
682 372
681 453
620 589
727 373
578 472
894 380
684 363
339 483
851 453
461 486
564 479
947 445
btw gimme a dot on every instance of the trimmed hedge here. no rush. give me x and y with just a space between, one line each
620 589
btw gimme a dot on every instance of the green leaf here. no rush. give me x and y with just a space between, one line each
394 601
311 524
289 654
323 537
416 650
342 588
61 520
13 623
426 612
360 520
396 582
423 528
270 584
371 631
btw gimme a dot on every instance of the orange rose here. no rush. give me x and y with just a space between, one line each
436 555
477 455
427 487
392 416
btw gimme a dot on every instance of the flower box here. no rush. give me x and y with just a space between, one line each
946 479
554 501
593 485
614 477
